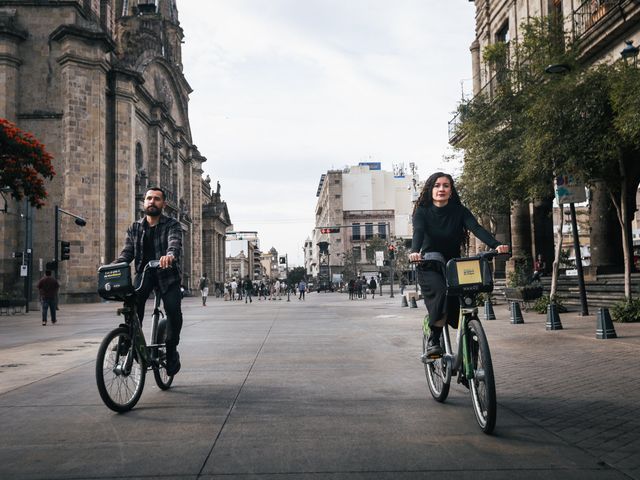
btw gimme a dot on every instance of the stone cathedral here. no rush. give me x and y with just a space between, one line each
100 83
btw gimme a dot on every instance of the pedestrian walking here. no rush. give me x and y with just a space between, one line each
204 288
48 288
372 286
351 287
234 288
302 287
277 288
248 289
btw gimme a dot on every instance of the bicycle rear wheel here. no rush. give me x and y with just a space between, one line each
482 385
438 378
163 379
119 390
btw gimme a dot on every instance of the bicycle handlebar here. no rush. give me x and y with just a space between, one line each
489 255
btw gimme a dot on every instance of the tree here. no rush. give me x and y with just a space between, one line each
375 244
585 122
296 274
24 164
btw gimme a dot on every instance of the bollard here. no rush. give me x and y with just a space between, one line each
404 301
516 313
604 325
553 319
489 314
413 302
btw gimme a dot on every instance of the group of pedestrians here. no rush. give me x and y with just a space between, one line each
357 287
247 289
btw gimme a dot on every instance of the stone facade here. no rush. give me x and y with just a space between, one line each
100 83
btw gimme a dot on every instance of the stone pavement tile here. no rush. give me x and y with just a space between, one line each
381 436
73 441
576 387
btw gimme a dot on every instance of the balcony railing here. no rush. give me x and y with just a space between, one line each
589 13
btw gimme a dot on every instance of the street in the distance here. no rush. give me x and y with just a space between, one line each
320 388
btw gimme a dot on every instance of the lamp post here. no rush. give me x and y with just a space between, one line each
81 222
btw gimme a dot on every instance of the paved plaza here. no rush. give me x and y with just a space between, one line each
325 388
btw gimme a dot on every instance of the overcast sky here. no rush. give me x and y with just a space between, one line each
285 90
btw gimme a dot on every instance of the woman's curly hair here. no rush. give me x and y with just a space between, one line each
426 197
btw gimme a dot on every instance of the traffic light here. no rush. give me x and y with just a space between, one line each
283 260
392 252
324 247
330 230
65 250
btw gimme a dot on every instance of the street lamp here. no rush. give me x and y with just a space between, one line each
81 222
630 53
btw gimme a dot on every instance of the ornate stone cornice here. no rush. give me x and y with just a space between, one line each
92 36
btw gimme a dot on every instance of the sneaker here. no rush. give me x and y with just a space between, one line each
433 347
173 364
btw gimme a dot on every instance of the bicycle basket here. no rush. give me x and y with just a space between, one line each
469 275
114 281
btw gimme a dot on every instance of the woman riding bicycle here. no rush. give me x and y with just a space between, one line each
441 226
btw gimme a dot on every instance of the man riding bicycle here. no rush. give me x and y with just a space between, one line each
158 237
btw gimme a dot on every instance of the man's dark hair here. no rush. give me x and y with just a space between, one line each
47 273
158 189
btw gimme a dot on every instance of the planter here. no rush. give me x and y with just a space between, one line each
12 305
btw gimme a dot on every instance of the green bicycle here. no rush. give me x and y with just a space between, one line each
471 361
124 356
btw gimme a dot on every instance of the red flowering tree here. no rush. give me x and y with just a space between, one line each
24 164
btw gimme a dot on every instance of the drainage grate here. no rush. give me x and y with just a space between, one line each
67 349
49 354
13 365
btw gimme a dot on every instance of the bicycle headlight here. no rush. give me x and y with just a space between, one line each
468 301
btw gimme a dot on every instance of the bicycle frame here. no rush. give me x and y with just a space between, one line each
462 357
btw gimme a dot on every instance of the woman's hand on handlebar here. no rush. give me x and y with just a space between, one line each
503 248
415 257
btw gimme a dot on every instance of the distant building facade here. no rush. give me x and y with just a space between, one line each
100 83
364 201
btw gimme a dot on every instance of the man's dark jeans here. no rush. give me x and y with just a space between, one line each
48 303
171 300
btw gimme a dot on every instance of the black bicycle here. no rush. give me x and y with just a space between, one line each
124 356
471 359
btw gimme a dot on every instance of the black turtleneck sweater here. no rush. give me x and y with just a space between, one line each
440 229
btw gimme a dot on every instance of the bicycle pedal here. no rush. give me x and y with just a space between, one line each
426 359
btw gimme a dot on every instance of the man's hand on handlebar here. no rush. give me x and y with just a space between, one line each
166 261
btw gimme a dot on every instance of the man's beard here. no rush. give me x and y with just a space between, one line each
153 211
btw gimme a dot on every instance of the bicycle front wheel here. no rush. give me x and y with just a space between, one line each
163 379
119 372
436 371
482 385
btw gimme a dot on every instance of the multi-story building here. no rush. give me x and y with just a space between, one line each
362 202
247 243
600 29
101 84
